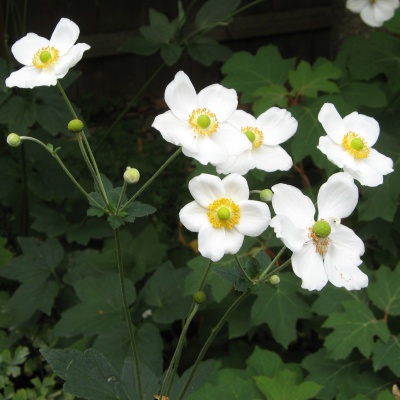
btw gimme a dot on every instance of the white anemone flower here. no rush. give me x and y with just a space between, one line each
265 134
222 214
373 12
45 60
324 249
197 122
348 145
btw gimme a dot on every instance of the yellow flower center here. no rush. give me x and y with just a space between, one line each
355 145
203 121
223 213
45 57
319 233
254 135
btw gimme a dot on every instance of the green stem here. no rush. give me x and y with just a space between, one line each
64 95
120 197
24 195
210 339
281 267
272 263
205 275
127 313
242 269
55 155
178 350
148 183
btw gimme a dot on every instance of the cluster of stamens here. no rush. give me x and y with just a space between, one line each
223 213
254 135
203 121
45 57
355 145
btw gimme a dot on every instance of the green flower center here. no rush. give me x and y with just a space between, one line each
45 56
203 121
357 144
322 229
223 213
250 135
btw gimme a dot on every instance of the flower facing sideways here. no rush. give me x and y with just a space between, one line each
348 145
265 133
197 122
373 12
324 249
222 214
45 60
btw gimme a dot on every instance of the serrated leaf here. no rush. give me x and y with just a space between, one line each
214 11
137 209
269 96
307 81
89 229
246 72
365 94
284 385
264 362
48 220
206 50
387 355
171 53
288 307
140 45
115 221
385 291
18 113
107 184
94 212
355 327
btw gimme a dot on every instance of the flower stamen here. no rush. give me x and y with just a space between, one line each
45 57
355 145
223 213
254 135
203 121
319 233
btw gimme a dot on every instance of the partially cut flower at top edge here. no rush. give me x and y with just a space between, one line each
198 122
323 250
349 142
223 214
373 12
46 61
265 134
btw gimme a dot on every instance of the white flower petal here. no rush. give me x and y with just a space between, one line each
210 151
337 197
332 123
380 162
240 164
219 100
212 243
254 218
366 127
240 119
64 36
336 153
289 201
30 77
293 238
236 187
25 48
234 241
231 139
272 158
206 188
368 16
180 96
277 125
356 6
193 216
308 265
69 60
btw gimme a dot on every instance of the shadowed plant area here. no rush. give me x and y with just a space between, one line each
200 200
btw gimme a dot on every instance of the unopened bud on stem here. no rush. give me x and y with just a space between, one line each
274 280
75 125
199 297
131 175
13 140
266 195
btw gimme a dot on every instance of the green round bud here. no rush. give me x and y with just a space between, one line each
203 121
223 213
75 125
250 135
322 229
45 56
266 195
274 280
131 175
13 140
199 297
357 144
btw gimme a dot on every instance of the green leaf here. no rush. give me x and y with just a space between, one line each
287 306
269 96
284 385
387 355
307 81
48 220
393 24
137 209
206 50
214 11
355 327
107 184
330 374
140 45
385 291
367 94
18 114
89 229
246 72
5 254
94 212
264 362
160 29
171 53
89 375
115 221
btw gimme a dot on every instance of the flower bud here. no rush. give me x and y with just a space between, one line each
274 280
13 140
199 297
75 125
131 175
266 195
